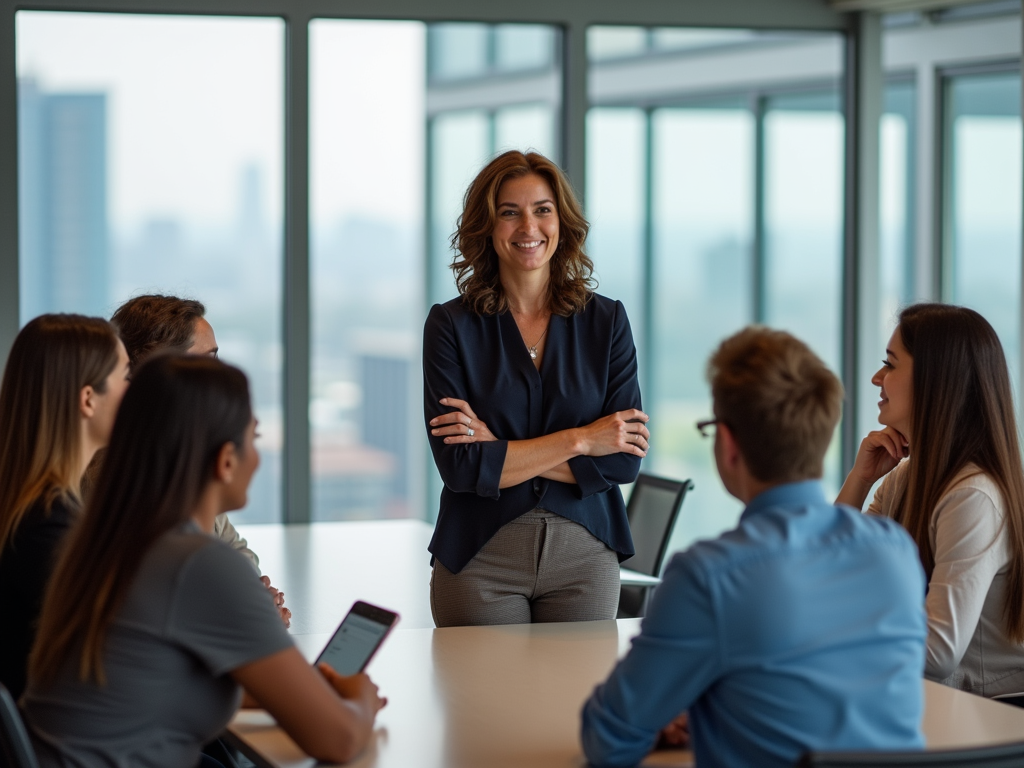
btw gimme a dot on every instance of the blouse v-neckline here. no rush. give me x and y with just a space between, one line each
523 355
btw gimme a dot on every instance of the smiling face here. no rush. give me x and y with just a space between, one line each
525 235
896 379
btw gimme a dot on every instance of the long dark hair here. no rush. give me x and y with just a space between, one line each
476 263
52 359
175 418
962 413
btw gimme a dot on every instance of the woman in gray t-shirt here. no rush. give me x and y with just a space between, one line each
151 626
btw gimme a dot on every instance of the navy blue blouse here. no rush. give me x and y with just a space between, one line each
589 370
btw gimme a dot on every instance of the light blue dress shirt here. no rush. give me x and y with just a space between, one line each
802 628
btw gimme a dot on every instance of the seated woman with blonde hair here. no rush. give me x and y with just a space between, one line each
151 626
950 451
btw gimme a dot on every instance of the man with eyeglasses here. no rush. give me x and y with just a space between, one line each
800 629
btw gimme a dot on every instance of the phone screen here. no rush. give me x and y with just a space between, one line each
357 638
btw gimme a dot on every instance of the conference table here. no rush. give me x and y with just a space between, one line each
483 697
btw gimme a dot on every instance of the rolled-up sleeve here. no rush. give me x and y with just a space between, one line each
673 660
473 467
595 474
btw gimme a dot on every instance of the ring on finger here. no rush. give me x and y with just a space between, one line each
470 432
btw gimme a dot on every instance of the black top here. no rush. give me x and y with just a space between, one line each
25 567
589 371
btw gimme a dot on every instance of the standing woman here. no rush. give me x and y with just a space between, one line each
533 411
64 380
151 625
947 405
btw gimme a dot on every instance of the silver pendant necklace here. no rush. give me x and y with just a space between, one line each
533 349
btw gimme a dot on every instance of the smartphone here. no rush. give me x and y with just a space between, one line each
357 638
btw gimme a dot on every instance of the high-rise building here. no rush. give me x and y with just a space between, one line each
63 224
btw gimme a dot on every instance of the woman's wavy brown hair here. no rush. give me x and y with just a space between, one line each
476 263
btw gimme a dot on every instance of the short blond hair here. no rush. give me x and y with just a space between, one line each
779 400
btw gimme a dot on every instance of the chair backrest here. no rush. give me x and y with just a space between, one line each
652 511
998 756
1013 699
15 747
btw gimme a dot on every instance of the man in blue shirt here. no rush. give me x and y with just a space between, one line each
802 628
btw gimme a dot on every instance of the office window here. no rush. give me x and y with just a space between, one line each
607 43
524 47
894 288
460 145
703 197
366 275
982 217
460 50
616 207
803 231
139 177
897 197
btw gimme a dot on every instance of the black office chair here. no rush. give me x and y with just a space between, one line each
1013 699
998 756
15 748
652 511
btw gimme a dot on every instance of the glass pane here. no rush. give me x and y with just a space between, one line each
703 165
616 181
458 50
682 39
803 138
896 237
530 127
605 43
140 177
366 279
460 145
523 46
983 216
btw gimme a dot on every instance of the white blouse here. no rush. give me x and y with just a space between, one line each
967 647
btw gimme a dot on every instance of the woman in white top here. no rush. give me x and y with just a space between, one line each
950 449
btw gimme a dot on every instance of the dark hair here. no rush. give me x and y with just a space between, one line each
154 322
961 413
53 358
175 418
476 262
779 400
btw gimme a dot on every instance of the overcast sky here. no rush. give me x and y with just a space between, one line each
193 100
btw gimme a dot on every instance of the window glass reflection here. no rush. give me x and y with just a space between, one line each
367 180
983 210
803 138
523 47
615 199
138 177
458 50
703 165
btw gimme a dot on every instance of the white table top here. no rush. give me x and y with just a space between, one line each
323 568
497 697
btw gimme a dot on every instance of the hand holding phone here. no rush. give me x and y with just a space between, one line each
357 638
358 687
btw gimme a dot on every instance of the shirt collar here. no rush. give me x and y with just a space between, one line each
803 493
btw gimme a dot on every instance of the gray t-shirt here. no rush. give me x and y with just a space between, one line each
196 611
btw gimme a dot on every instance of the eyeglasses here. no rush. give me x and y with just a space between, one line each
705 427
